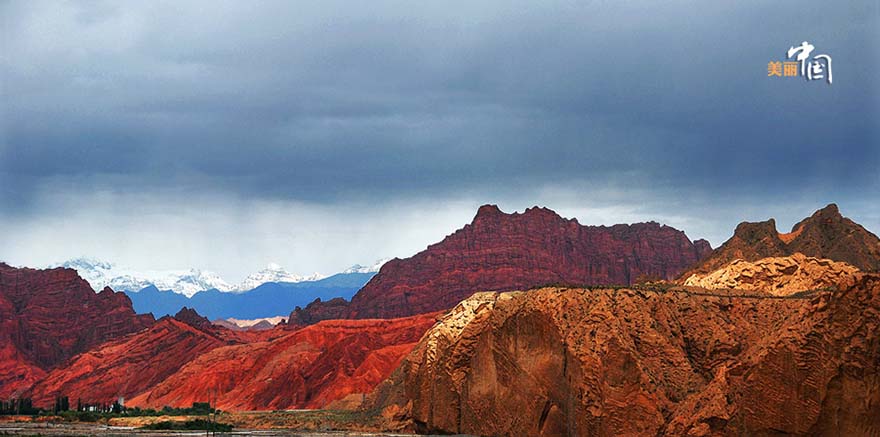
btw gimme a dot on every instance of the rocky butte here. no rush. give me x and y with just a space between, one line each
500 251
607 362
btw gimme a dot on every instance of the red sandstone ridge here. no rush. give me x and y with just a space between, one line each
825 234
309 368
191 317
129 366
500 251
641 362
180 359
48 316
126 367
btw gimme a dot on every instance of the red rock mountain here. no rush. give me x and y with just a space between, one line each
193 318
318 310
545 362
184 359
825 234
60 338
309 368
500 251
48 316
129 366
641 362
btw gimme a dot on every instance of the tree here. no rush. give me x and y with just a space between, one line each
62 403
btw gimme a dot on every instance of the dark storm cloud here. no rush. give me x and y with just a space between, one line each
328 102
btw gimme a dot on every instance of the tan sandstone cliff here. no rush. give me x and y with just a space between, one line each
778 275
609 362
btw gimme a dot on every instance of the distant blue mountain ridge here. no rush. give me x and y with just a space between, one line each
267 300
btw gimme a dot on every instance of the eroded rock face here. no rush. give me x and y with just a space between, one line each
134 364
500 252
825 234
630 362
779 276
318 310
17 371
184 359
48 316
126 367
309 368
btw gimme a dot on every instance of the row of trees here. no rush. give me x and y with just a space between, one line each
97 407
25 406
18 406
62 403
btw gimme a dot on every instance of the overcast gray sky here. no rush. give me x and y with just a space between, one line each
226 135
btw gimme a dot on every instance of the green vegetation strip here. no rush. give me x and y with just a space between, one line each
189 425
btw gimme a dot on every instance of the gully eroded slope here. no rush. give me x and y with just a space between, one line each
309 368
132 365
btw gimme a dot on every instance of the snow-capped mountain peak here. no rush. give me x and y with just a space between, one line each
87 264
192 281
357 268
100 274
273 273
